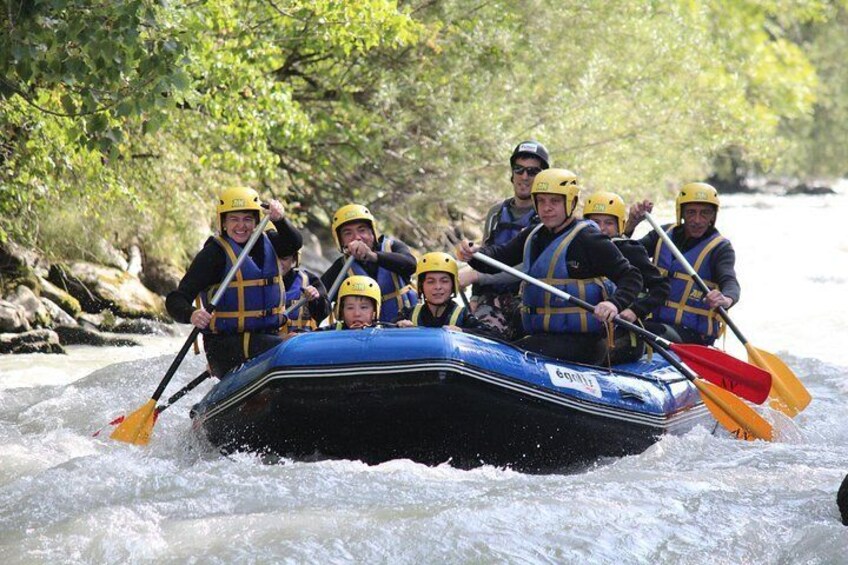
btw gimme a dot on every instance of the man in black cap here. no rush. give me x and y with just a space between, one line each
495 296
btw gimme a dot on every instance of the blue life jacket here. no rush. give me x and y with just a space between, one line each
253 299
456 317
397 293
502 229
541 311
299 319
685 305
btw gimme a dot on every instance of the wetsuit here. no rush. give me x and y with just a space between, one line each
392 271
655 286
226 351
589 255
308 316
720 267
453 315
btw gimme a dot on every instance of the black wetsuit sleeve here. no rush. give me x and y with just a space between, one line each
291 239
405 314
649 242
723 265
330 275
399 260
592 254
320 307
205 270
655 286
510 253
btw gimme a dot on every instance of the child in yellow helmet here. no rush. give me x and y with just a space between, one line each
358 304
248 316
437 275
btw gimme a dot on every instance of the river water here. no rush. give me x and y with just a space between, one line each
70 498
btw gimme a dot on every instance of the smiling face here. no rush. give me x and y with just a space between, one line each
607 223
239 225
358 312
437 288
356 231
697 219
522 182
551 209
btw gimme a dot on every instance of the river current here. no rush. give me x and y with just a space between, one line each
67 497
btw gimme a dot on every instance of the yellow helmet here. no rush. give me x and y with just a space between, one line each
557 181
351 213
609 203
359 285
695 192
437 262
237 199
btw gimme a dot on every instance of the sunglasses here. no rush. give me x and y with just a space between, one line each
531 171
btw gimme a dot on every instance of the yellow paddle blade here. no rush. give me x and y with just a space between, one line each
732 413
787 393
137 427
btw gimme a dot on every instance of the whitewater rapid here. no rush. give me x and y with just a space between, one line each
70 498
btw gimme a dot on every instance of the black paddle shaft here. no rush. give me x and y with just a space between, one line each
193 384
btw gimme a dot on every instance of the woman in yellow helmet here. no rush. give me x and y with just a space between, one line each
571 254
608 211
438 284
689 316
381 257
249 313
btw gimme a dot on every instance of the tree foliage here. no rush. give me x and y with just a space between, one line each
121 119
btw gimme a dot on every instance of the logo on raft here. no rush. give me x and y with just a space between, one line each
576 380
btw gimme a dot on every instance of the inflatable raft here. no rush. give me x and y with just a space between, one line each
435 396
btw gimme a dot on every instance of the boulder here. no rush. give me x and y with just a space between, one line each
812 189
59 316
143 326
95 322
98 288
13 318
81 335
58 296
17 259
35 341
36 313
160 277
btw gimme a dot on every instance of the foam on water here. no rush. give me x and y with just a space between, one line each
68 497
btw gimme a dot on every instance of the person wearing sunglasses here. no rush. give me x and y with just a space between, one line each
495 297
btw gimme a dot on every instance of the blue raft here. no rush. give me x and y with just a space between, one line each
435 396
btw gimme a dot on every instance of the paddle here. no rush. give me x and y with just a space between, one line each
137 427
727 408
339 279
787 393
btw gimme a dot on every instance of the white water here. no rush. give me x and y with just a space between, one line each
67 497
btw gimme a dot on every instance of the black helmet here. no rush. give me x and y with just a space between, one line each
530 148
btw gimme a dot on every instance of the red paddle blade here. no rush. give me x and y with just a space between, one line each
741 378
